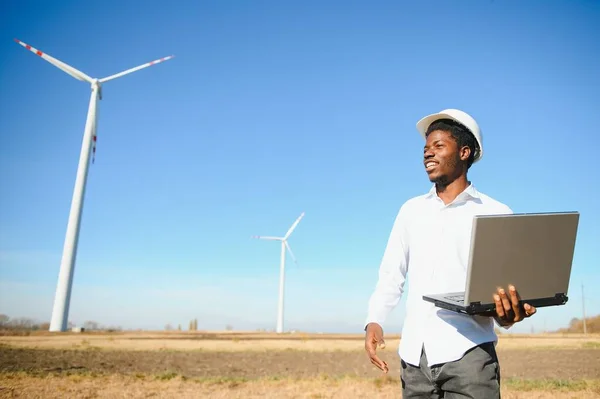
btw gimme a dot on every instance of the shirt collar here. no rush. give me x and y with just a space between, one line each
469 193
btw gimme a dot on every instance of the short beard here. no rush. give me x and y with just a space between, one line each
443 181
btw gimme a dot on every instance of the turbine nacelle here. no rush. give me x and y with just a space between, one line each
96 85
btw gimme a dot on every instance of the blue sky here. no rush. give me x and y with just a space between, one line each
269 110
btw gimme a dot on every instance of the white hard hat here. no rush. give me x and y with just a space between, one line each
458 116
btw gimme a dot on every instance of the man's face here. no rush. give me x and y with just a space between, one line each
442 157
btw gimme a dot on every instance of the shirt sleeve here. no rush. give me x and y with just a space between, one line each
392 273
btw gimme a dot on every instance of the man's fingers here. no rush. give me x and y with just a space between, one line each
508 311
514 300
529 310
380 364
372 352
369 346
499 307
377 361
374 343
505 302
373 340
514 295
385 366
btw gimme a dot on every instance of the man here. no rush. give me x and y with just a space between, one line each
443 353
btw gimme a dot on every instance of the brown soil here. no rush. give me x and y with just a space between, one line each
115 386
564 364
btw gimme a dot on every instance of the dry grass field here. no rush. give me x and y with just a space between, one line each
259 365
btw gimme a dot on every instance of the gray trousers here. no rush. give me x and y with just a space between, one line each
476 375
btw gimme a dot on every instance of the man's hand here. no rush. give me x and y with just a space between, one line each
509 309
373 339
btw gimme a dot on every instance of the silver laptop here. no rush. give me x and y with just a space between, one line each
532 251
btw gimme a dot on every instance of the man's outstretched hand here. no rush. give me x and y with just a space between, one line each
509 309
374 339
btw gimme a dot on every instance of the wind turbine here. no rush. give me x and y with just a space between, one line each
62 297
284 245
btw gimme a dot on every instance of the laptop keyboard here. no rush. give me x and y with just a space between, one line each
456 298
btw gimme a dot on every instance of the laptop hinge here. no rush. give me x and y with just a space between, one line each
562 298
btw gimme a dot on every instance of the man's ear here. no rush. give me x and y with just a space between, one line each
465 152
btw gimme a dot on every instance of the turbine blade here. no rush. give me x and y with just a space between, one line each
137 68
268 238
289 232
291 253
59 64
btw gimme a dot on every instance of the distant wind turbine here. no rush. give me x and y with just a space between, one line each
284 245
62 298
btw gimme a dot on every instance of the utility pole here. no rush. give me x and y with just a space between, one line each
583 310
545 329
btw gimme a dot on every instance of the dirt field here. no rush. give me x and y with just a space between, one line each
252 365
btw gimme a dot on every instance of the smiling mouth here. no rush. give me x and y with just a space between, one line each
430 165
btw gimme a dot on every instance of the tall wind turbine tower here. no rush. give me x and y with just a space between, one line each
62 299
284 245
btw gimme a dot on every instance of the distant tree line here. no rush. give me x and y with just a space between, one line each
192 326
592 325
24 324
21 323
27 324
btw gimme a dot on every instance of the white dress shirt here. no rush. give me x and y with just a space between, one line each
429 246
